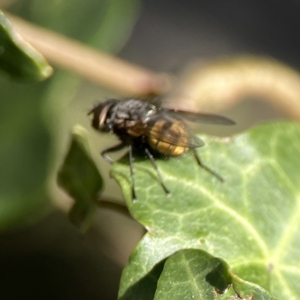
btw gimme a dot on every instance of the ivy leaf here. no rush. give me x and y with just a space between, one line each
252 221
80 178
18 58
192 274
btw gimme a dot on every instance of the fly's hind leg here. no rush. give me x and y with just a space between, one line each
157 171
132 174
202 165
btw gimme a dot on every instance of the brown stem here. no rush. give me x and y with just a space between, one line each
114 205
94 65
223 83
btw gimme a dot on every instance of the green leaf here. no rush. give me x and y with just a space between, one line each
252 221
36 117
18 58
145 288
24 154
80 178
103 24
246 290
192 274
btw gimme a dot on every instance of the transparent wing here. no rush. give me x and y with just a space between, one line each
164 128
199 117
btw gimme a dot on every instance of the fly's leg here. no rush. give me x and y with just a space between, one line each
110 161
202 165
111 149
121 146
132 174
157 171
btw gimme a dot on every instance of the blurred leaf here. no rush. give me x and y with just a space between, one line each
117 22
36 118
18 58
251 221
80 178
24 153
104 24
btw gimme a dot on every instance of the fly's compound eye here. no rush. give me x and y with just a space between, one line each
103 117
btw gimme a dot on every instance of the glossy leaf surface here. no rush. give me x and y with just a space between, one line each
252 221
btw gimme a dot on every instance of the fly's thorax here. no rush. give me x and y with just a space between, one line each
133 110
129 116
159 137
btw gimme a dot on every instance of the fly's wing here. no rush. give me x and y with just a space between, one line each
165 128
199 117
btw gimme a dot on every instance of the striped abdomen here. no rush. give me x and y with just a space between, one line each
166 136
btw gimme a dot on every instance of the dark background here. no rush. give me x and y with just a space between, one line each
170 33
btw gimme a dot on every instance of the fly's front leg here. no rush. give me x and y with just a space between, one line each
110 161
157 171
202 165
111 149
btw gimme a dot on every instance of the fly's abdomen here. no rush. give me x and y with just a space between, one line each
167 137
